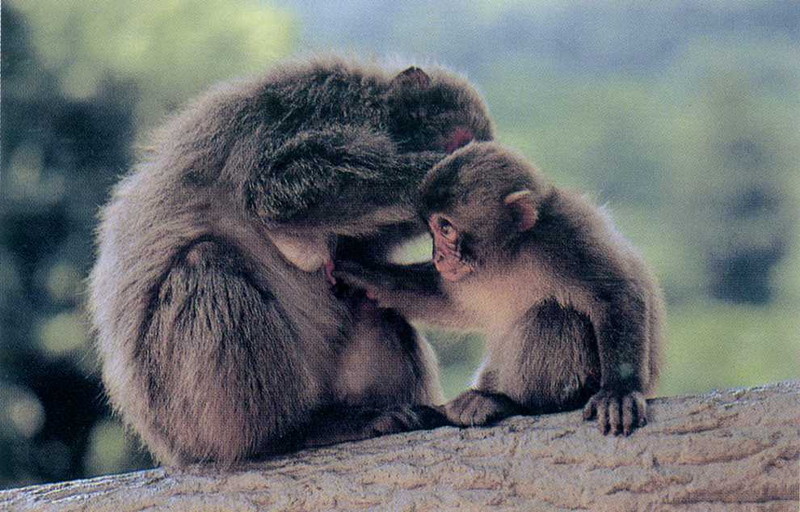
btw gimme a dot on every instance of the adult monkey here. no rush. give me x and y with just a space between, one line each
219 335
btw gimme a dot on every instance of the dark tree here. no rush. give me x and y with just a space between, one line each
50 402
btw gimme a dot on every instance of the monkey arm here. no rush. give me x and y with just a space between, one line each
421 278
331 174
414 290
621 332
623 345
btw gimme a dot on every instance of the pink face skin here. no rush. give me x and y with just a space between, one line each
446 253
459 138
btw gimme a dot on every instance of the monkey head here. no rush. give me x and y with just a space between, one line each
435 111
479 203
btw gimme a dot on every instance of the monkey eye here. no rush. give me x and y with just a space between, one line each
447 229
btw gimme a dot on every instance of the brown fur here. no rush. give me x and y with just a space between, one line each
219 336
571 313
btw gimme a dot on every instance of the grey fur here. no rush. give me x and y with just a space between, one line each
571 312
219 336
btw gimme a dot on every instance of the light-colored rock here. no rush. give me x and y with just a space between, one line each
734 450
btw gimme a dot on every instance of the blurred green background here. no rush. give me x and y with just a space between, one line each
681 115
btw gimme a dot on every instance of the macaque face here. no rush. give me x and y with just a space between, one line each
448 256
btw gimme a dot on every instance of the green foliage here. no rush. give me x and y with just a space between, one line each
80 79
170 49
719 345
681 116
458 355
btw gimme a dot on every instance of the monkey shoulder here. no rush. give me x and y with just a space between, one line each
583 253
589 229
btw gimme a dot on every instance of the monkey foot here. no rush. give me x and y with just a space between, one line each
405 418
617 412
340 424
474 408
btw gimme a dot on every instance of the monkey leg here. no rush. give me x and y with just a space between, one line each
223 368
548 362
627 335
387 381
339 423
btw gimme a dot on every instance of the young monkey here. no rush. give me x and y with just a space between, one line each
571 314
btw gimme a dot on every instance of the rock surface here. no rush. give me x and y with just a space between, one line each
724 451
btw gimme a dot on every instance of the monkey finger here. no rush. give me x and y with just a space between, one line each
627 414
348 278
602 415
589 409
329 268
641 408
614 416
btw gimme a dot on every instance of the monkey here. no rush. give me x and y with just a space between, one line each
219 335
572 315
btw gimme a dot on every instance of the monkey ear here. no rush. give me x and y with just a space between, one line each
413 78
522 208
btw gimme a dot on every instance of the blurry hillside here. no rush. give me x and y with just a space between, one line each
680 115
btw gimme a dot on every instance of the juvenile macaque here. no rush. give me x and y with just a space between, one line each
571 314
219 333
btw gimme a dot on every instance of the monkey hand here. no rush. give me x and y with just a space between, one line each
377 285
617 412
475 408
